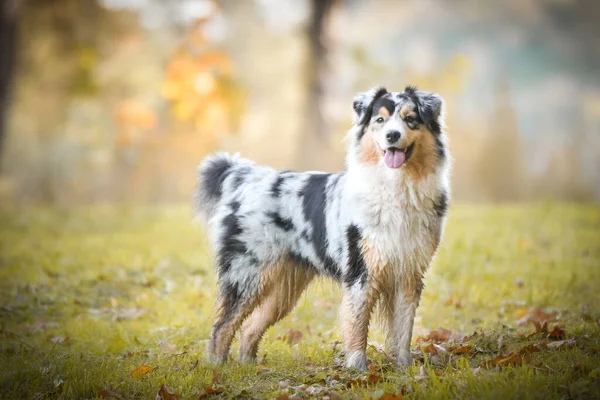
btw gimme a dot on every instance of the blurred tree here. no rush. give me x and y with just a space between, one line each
9 10
314 139
199 84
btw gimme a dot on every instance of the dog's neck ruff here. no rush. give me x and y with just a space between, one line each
398 214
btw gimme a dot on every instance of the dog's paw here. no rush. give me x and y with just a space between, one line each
404 359
357 359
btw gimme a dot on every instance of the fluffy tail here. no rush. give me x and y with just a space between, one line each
211 175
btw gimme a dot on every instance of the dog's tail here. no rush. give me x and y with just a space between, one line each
211 175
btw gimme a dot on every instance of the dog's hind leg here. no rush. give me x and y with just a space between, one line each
289 281
232 306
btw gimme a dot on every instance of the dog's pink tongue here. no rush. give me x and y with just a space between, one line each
394 159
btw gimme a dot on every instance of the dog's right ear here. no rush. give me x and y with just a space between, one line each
363 104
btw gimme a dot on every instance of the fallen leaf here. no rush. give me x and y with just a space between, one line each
537 315
141 370
164 394
440 335
293 336
502 361
429 349
560 343
460 349
539 328
391 396
261 369
530 348
557 333
58 339
373 378
372 367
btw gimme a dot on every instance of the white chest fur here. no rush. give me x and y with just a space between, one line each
398 217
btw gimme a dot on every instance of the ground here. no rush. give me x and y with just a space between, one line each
105 302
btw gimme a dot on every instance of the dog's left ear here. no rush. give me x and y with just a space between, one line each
431 109
363 104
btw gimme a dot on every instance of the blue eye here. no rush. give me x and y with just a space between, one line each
379 120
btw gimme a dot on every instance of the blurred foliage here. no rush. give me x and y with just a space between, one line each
200 85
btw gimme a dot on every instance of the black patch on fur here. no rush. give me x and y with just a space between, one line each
441 204
420 287
231 301
235 206
410 89
276 188
240 177
214 176
365 113
300 260
284 223
440 151
314 203
386 102
231 245
357 269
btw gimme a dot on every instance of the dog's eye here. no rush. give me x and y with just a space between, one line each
379 120
409 119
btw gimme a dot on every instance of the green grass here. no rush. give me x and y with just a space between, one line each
133 286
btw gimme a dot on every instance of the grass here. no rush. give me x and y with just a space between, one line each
87 296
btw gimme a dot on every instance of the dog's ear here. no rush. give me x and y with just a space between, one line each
363 104
431 108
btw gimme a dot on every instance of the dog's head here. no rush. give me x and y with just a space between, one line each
398 130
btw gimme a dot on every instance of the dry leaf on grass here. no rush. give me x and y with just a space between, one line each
560 343
293 336
391 396
164 394
58 339
503 361
535 315
211 390
261 369
141 370
557 333
460 349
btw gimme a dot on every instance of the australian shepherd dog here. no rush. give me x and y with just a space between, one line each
374 228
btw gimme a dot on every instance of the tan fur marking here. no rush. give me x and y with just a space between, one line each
407 110
423 160
219 345
289 282
369 151
384 112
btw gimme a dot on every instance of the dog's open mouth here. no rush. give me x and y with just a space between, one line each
395 157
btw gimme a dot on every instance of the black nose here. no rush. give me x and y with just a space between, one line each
393 136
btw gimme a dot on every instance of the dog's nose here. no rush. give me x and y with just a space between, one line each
392 137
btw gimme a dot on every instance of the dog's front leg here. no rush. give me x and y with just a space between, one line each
401 316
355 313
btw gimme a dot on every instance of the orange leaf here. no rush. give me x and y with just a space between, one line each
141 370
293 336
461 349
430 349
261 369
164 394
440 335
374 378
557 333
391 396
372 367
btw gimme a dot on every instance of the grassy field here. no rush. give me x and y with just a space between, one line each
114 303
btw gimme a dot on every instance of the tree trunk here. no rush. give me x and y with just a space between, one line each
314 138
8 47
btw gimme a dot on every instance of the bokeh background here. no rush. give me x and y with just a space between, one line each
118 100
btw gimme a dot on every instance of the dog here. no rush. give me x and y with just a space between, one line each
374 228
